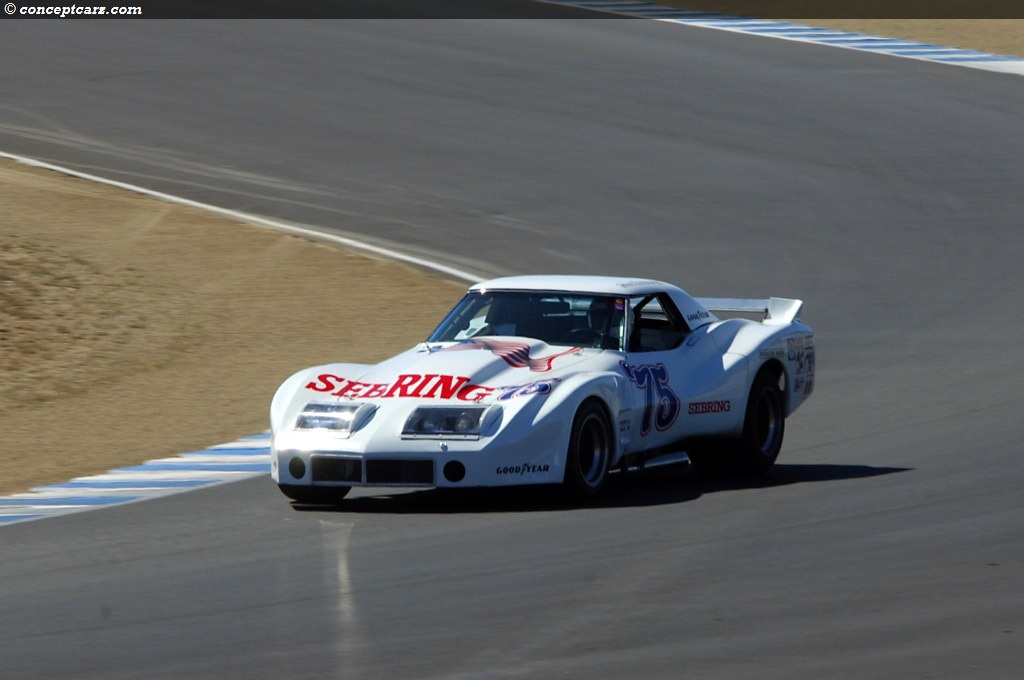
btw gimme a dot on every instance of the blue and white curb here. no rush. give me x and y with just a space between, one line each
246 457
808 34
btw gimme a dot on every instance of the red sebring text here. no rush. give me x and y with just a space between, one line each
414 385
697 408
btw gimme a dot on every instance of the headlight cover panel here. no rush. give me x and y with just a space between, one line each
339 419
450 422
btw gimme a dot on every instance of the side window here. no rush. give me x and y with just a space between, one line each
657 324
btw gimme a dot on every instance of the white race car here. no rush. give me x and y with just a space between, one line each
551 380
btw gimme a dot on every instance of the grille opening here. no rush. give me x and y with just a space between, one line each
333 469
399 472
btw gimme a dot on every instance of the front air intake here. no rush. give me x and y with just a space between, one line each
412 472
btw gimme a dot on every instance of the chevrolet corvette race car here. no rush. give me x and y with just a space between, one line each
551 380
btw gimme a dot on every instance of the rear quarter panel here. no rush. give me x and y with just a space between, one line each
754 344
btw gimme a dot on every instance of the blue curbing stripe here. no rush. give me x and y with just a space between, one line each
133 484
66 500
900 48
242 459
786 27
262 451
202 467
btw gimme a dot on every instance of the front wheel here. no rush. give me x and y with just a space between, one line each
590 452
763 426
315 495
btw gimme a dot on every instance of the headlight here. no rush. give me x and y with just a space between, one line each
340 419
448 422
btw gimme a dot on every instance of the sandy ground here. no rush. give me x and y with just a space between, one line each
1000 36
133 329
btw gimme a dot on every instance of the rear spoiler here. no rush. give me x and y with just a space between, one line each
775 311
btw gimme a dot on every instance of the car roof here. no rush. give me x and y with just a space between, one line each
695 313
601 285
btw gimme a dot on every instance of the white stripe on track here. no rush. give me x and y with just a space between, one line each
276 225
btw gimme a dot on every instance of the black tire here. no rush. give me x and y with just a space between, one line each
315 495
590 452
764 425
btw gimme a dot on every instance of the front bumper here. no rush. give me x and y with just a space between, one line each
537 458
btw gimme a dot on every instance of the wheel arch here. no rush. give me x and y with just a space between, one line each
586 475
577 390
777 370
603 405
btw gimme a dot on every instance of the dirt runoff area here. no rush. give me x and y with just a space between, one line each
999 36
132 328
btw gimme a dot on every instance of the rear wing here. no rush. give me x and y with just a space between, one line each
774 311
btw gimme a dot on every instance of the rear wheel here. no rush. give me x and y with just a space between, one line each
755 451
590 451
763 426
315 495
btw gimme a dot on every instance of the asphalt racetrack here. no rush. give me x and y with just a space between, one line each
886 193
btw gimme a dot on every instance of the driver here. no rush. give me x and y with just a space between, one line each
604 317
599 314
503 316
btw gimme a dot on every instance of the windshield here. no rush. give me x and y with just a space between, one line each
554 318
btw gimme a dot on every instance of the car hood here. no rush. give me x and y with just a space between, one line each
481 369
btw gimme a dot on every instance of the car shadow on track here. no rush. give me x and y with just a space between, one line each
652 488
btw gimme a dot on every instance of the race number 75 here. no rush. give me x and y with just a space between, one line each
661 404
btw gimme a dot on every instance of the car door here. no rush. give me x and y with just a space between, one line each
680 388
